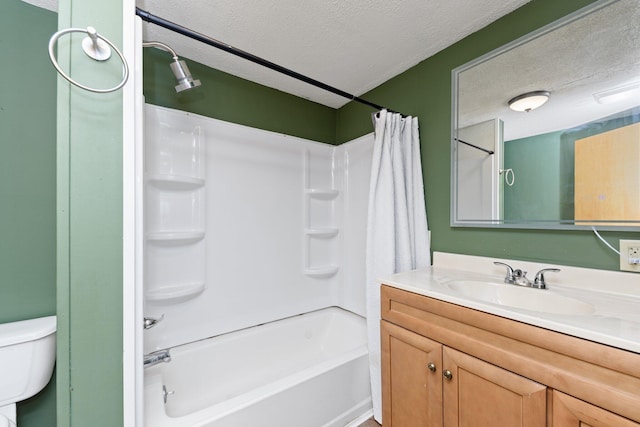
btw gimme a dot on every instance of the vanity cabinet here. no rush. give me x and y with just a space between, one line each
428 383
411 378
448 365
571 412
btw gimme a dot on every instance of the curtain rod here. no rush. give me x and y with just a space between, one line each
489 152
146 16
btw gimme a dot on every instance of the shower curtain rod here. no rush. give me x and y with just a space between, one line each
146 16
489 152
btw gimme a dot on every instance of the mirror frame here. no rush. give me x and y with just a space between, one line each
530 224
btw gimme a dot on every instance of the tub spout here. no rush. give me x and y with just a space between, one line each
156 357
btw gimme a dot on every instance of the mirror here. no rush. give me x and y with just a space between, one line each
575 160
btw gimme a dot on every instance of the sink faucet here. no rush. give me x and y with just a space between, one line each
539 282
519 277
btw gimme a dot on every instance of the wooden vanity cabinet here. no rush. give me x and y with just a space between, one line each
411 378
448 365
426 384
571 412
477 393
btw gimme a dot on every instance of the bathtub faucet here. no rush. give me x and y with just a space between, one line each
156 357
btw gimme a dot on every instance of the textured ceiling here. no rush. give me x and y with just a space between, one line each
353 45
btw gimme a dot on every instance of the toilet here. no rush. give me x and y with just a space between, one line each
27 356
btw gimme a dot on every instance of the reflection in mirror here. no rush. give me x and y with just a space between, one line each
575 160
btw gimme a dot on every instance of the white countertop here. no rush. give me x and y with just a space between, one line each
615 296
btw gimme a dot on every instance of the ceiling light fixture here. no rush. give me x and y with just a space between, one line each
610 96
529 101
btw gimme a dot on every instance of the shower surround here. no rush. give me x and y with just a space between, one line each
245 227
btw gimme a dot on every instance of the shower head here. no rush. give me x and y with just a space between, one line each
182 73
178 66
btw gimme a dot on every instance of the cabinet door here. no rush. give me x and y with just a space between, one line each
479 394
411 378
571 412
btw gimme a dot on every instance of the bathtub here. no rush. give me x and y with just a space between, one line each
309 370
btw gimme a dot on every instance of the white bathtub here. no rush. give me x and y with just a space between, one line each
306 371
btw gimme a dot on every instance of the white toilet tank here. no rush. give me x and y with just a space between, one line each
27 356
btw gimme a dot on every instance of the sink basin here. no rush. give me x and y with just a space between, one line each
541 300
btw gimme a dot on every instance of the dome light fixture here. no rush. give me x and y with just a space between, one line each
529 101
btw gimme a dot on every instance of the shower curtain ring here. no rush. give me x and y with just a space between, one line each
96 47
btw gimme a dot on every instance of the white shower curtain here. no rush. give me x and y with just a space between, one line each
397 236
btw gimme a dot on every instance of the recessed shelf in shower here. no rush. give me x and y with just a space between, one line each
322 193
173 294
322 232
321 272
320 229
175 182
175 237
175 199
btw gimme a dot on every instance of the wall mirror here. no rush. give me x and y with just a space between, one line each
572 162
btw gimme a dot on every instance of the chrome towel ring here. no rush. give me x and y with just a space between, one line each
96 47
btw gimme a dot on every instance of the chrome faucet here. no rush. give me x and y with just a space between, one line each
510 277
156 357
150 322
519 277
539 282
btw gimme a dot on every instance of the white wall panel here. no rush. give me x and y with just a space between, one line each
253 217
353 170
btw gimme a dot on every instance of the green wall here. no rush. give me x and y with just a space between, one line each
89 202
425 91
226 97
28 179
535 193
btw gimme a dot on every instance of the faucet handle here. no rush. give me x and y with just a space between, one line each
509 278
539 282
150 322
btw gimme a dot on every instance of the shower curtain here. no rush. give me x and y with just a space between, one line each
397 236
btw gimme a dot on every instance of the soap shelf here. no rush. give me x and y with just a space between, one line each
175 182
175 216
322 193
321 272
173 294
175 237
323 232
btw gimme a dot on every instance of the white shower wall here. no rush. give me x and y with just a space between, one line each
353 170
245 226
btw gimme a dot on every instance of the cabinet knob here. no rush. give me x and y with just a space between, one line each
447 374
432 367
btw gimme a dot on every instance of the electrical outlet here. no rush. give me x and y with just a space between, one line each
630 255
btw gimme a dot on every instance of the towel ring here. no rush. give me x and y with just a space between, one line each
96 47
506 173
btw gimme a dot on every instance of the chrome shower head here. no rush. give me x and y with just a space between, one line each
182 73
178 66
